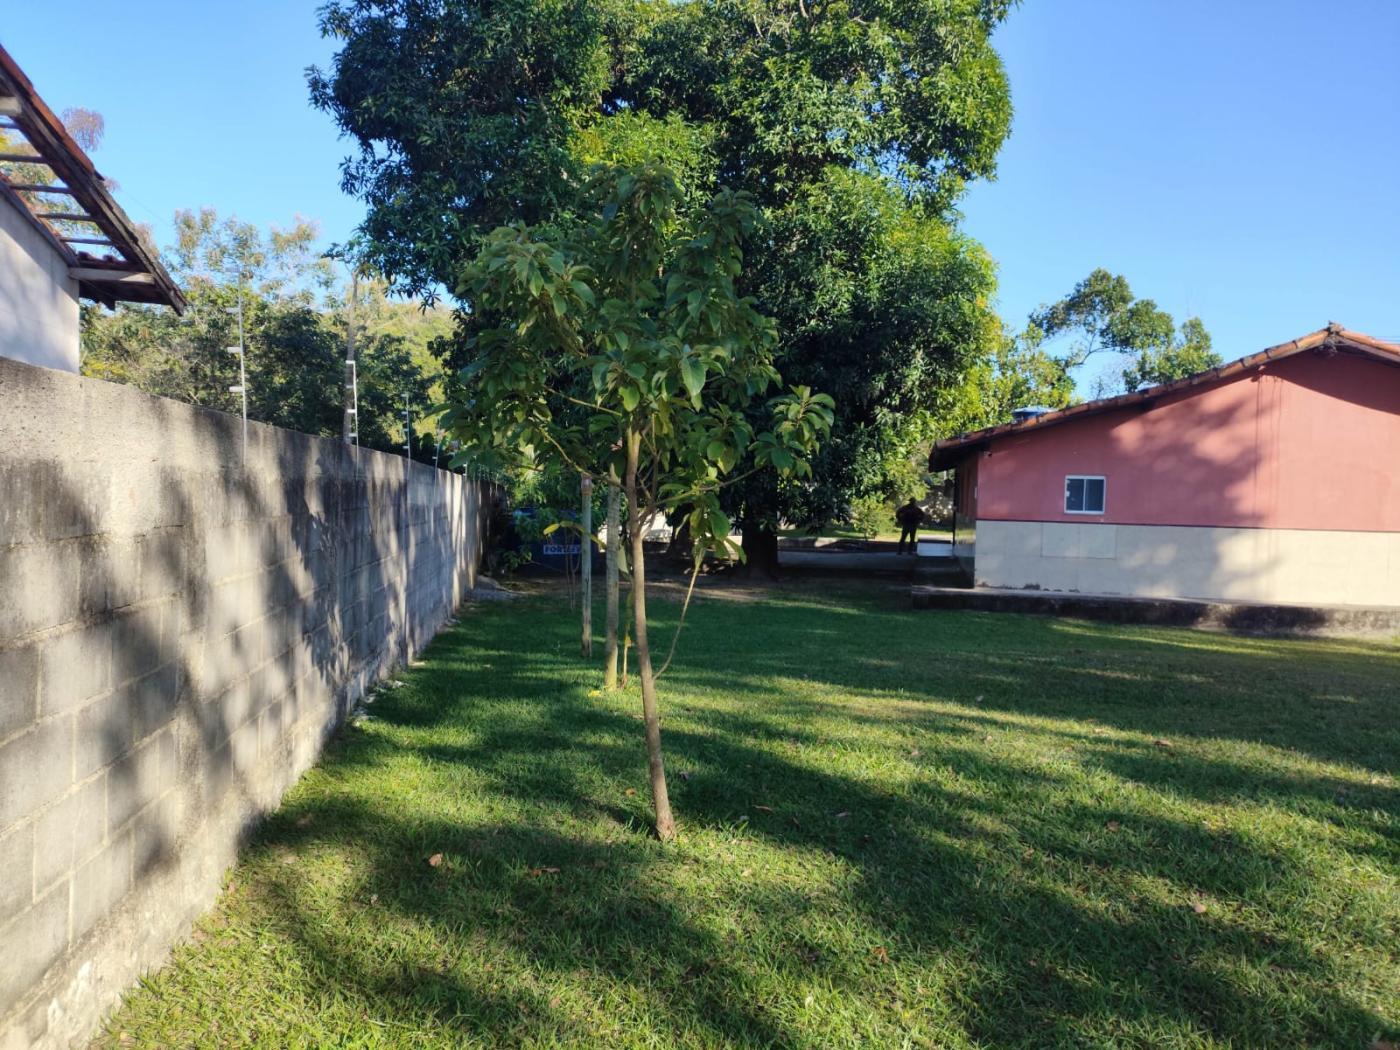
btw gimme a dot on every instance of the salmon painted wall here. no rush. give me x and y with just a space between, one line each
1310 442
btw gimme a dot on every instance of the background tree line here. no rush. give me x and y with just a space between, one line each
297 313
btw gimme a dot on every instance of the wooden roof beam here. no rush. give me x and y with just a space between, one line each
104 276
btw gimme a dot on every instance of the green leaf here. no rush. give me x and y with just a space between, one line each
693 375
630 397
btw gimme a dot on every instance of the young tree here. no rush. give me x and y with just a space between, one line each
620 345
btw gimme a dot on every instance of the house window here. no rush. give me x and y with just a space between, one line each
1084 494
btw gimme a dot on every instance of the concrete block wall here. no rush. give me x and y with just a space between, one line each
181 628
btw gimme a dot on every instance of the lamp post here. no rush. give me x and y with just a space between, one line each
242 387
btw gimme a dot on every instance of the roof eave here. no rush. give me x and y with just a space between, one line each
949 451
57 150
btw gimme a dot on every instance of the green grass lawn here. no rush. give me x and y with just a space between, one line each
898 829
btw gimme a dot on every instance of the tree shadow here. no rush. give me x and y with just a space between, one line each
1061 917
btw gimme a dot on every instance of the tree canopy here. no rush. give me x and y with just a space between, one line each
853 126
1101 315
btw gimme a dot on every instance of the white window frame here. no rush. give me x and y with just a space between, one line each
1103 507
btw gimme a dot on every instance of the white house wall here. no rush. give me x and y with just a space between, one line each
38 300
1230 564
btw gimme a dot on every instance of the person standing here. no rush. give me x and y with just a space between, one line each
910 517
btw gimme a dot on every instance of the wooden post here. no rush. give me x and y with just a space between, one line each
586 566
614 551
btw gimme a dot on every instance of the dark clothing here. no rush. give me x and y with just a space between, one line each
910 517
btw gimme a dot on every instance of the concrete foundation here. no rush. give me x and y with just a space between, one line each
1240 617
1271 566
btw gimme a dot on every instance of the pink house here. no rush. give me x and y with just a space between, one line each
1272 479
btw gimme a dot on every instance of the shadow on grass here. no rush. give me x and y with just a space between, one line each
836 884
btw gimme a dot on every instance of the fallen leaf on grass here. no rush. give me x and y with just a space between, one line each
746 873
914 752
304 820
1113 825
881 955
630 791
977 699
843 814
435 861
764 809
535 873
1163 743
1198 908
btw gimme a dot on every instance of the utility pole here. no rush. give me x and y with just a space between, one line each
242 387
350 429
586 565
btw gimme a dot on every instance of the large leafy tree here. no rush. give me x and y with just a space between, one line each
621 345
1018 372
853 125
887 305
1101 315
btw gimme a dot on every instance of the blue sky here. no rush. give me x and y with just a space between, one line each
1237 160
1234 159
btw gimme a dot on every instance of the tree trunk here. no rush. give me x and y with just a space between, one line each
614 541
661 801
760 552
